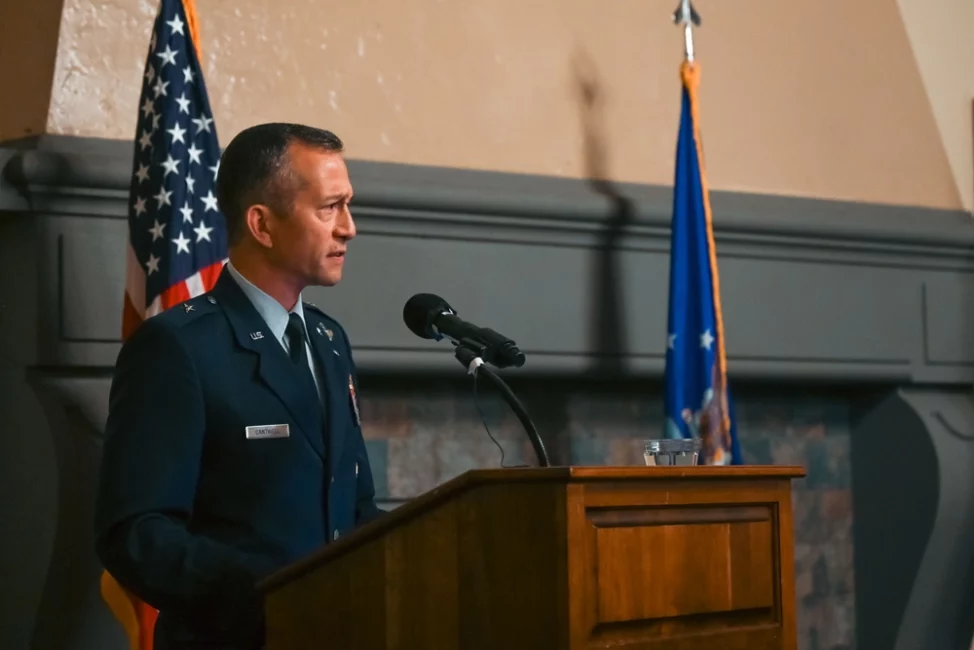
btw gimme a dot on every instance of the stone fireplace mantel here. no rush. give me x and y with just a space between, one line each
813 291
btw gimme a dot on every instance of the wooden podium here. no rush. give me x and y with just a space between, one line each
556 558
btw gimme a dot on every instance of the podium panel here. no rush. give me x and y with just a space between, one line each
568 558
670 564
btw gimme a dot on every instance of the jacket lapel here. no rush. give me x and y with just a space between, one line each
274 367
336 391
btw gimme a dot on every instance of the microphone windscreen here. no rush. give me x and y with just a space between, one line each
419 312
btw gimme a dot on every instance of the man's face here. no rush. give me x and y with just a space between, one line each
309 240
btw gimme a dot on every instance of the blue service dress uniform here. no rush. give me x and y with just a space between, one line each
223 461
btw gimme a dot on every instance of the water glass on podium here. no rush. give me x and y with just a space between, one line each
672 451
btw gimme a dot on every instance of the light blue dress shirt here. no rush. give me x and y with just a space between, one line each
276 318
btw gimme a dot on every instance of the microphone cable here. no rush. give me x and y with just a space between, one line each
483 419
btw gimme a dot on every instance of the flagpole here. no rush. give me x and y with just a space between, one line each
687 16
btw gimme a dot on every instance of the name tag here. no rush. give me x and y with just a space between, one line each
268 431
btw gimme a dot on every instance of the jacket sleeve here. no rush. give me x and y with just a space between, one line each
151 460
365 507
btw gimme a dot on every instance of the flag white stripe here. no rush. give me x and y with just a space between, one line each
194 284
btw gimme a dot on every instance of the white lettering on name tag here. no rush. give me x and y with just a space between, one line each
264 431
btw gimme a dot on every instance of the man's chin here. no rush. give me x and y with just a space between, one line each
328 279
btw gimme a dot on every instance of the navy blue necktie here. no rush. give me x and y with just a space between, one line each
295 333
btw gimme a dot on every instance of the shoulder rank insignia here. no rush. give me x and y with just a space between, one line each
187 307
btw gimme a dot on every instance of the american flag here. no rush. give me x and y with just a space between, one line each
177 236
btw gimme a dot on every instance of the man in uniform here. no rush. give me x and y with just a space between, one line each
233 444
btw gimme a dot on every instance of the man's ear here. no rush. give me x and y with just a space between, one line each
260 223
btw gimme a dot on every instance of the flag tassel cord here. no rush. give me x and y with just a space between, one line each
687 16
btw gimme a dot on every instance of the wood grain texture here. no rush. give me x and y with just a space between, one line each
559 558
785 566
682 562
563 475
655 572
513 567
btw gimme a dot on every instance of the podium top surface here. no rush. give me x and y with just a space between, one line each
478 477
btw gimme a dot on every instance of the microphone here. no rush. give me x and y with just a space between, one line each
430 317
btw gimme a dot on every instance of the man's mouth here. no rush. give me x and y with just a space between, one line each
337 254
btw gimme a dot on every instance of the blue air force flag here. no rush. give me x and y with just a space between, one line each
697 395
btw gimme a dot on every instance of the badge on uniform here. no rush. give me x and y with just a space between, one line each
322 330
351 392
265 431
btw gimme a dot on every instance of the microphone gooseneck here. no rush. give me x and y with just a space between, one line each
469 359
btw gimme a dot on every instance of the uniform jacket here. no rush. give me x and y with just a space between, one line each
191 511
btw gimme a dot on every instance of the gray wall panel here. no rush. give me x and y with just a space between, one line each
28 476
545 298
91 280
833 289
82 274
813 291
949 319
527 293
20 282
819 311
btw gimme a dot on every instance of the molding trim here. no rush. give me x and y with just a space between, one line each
64 172
813 289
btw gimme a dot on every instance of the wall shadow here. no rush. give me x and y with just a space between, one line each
608 336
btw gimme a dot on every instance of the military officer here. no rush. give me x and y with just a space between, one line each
233 443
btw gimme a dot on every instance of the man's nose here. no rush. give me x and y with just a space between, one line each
345 226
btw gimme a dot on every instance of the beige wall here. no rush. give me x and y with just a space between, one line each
808 97
942 36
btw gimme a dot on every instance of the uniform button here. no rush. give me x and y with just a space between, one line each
335 535
211 300
332 479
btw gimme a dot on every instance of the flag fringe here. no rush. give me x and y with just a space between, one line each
189 7
137 618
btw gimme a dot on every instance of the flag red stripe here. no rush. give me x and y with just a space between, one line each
179 292
147 622
211 274
174 295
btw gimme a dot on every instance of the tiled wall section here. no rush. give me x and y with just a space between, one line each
424 432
